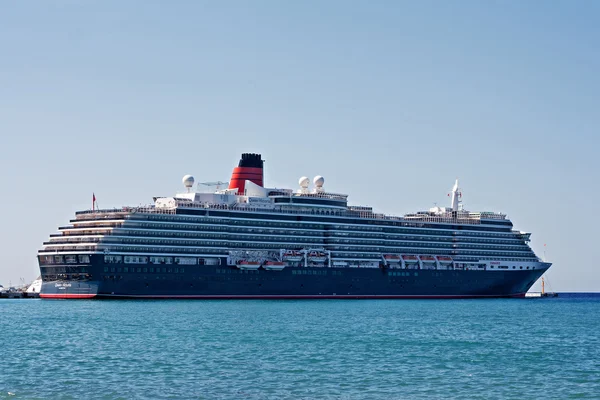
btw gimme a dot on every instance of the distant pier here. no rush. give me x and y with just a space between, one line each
19 295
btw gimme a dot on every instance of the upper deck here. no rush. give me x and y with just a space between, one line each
247 194
352 212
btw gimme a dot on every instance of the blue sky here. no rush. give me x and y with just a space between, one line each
389 100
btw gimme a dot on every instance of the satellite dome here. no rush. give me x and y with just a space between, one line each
303 182
188 181
319 181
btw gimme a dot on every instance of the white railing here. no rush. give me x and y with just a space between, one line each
323 195
460 217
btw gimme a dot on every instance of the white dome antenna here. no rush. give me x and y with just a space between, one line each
188 182
303 182
319 181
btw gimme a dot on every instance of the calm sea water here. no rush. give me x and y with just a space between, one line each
332 349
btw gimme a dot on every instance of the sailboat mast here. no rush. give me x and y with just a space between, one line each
542 285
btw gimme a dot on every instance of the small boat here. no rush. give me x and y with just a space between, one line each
547 294
392 258
252 265
274 265
317 256
410 259
293 256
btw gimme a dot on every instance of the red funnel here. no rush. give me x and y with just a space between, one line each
250 168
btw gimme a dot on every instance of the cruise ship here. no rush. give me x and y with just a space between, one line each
243 240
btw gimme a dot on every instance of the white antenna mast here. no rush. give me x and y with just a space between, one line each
456 197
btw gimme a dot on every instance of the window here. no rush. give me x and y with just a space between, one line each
84 259
185 261
136 260
48 259
113 259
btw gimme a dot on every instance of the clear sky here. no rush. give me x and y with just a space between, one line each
389 100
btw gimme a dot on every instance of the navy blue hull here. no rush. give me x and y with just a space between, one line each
216 282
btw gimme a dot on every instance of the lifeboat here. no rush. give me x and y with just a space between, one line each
428 262
392 258
252 265
444 260
410 259
293 256
274 265
317 256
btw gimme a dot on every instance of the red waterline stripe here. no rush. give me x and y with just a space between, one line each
297 297
66 296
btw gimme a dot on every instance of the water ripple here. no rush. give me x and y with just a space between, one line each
300 349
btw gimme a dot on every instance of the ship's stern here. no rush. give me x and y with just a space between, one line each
69 290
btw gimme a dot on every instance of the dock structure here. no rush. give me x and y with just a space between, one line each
18 295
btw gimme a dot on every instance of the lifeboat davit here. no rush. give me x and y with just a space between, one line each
410 259
252 265
274 265
392 258
293 256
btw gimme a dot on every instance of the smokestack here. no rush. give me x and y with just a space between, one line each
249 168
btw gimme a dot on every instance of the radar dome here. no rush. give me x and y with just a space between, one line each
319 181
303 182
188 181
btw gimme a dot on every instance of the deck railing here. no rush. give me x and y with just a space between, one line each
410 219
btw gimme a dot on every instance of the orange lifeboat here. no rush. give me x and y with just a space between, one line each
274 265
410 259
444 260
250 265
293 256
317 256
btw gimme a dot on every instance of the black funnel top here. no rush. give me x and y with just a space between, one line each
251 160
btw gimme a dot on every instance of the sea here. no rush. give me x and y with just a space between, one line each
307 349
